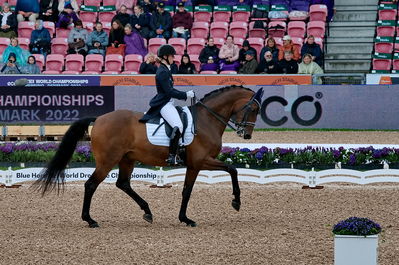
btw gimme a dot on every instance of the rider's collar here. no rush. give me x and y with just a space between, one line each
167 65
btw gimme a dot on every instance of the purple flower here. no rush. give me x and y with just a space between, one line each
357 226
259 156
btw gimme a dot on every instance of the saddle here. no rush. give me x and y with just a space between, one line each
168 128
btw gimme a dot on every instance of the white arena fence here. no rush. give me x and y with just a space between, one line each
162 177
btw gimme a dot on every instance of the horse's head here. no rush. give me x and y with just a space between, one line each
245 113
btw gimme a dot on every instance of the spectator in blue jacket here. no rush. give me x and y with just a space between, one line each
27 10
161 23
40 40
312 48
97 40
140 21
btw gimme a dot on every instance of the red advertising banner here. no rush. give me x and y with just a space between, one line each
201 80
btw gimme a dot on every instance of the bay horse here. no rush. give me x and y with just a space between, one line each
118 138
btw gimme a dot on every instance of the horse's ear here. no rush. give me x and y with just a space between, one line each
258 95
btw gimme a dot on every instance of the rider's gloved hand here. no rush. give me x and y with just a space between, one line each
190 94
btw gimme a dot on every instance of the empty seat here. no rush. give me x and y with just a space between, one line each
106 16
74 62
238 42
386 31
129 73
195 60
209 73
113 63
219 29
256 43
316 28
62 33
54 62
133 62
204 15
4 42
24 43
51 72
110 73
107 28
240 15
256 32
71 72
219 42
90 73
387 14
177 59
195 45
92 2
318 13
88 16
154 44
382 64
276 29
50 26
109 2
279 42
296 29
89 26
39 60
221 15
238 29
59 46
25 29
179 44
395 64
200 30
228 72
383 47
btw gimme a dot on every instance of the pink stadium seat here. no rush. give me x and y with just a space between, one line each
129 73
279 42
59 46
298 42
92 2
296 29
4 42
195 45
395 64
74 62
257 32
316 28
62 33
54 62
387 14
12 2
209 73
132 62
179 44
50 26
318 12
219 29
154 44
51 72
106 16
107 28
386 31
25 29
113 63
200 30
228 73
241 16
110 73
277 28
87 16
219 42
238 42
382 64
79 2
318 41
24 43
238 29
202 16
383 47
177 59
90 73
221 16
195 60
39 60
256 43
71 72
109 2
89 26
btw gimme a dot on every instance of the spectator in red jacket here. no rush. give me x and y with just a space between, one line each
182 22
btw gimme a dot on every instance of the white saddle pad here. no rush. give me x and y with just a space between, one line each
160 137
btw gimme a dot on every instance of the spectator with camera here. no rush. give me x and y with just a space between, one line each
77 39
97 40
40 40
9 23
10 66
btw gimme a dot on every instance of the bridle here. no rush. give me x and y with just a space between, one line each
240 127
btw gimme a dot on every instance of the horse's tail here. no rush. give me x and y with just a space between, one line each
53 176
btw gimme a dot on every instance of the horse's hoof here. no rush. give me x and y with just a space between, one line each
236 205
192 224
94 225
148 217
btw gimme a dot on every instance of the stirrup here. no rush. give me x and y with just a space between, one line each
174 160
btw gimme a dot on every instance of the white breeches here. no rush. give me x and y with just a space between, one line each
171 116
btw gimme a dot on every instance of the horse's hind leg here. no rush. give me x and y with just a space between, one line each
123 182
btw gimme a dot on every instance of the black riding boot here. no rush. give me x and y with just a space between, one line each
173 159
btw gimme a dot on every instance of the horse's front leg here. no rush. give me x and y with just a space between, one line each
191 176
214 164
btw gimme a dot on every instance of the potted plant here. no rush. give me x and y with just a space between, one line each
356 241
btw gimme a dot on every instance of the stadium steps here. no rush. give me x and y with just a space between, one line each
350 37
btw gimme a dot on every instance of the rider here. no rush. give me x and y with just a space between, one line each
163 102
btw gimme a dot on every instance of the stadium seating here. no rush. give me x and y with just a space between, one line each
50 26
92 2
202 16
106 16
256 32
316 28
200 30
195 45
219 42
4 42
238 29
89 26
71 72
239 42
386 31
39 60
129 73
194 59
387 14
154 44
110 2
87 16
317 13
59 46
51 72
276 29
219 29
62 33
228 73
209 73
113 63
177 59
132 62
298 42
239 15
256 43
383 47
94 62
74 62
25 29
179 44
382 64
54 62
90 73
221 15
24 43
296 29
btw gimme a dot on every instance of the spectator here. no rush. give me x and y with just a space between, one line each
134 42
161 23
288 65
148 6
49 10
122 16
10 66
182 22
27 10
31 67
9 23
186 67
140 21
40 40
288 46
309 67
20 55
68 10
127 3
229 56
209 56
97 40
245 47
77 39
250 65
312 48
268 65
149 65
116 41
270 45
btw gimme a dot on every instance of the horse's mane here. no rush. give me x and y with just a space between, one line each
219 91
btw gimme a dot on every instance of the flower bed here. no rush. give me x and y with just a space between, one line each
25 152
